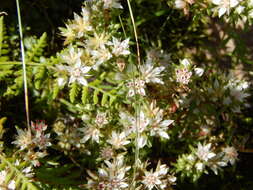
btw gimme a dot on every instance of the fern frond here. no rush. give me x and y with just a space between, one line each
108 97
35 52
95 96
73 93
56 90
40 75
1 33
104 99
4 47
85 92
14 173
5 71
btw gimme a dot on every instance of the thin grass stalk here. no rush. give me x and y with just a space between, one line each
137 113
122 26
24 66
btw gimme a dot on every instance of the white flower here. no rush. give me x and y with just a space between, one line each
224 6
160 126
142 141
118 140
12 183
199 71
215 165
136 86
200 166
90 132
23 139
150 73
185 62
230 155
40 139
180 4
97 41
150 180
158 179
2 176
101 119
237 89
191 158
108 4
204 152
183 74
251 14
239 9
172 179
110 176
238 94
184 5
101 55
132 125
72 56
162 169
78 72
119 48
68 33
28 171
107 153
61 81
81 24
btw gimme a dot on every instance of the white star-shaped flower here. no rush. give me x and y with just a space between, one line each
150 73
224 6
78 72
119 48
204 152
108 4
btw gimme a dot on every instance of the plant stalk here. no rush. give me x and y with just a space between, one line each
137 111
24 66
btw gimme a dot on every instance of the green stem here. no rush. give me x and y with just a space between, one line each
100 90
20 63
123 28
135 32
137 110
24 66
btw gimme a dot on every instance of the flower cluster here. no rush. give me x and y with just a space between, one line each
202 158
31 140
7 182
111 176
159 179
183 74
11 185
80 61
68 136
224 6
119 109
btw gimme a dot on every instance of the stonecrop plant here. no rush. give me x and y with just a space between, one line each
119 108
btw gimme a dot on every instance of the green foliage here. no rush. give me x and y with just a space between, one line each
40 76
60 177
85 92
35 48
73 92
14 173
11 74
4 46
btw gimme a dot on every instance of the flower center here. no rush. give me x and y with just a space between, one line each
77 72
